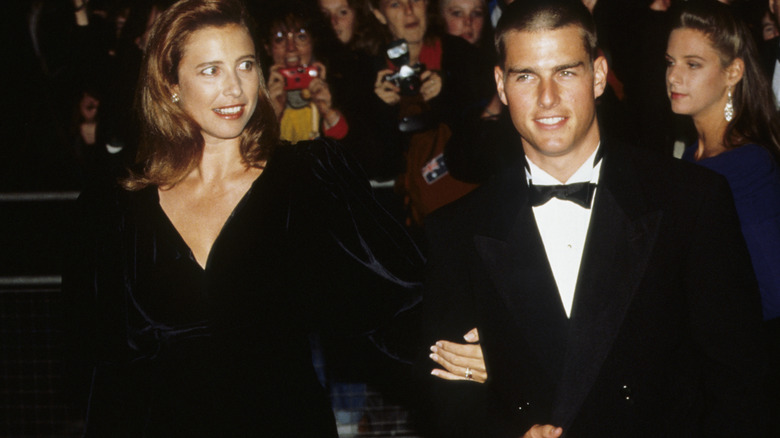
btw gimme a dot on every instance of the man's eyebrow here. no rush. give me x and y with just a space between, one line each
557 68
569 66
516 70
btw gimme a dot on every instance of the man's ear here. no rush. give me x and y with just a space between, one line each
379 15
600 70
735 71
498 73
772 7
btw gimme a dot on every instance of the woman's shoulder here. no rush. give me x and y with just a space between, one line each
748 161
318 162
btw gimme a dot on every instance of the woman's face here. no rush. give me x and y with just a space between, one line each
464 18
404 18
696 82
291 46
219 80
342 18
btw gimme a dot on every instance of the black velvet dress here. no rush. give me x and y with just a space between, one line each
178 350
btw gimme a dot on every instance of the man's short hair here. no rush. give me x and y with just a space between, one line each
538 15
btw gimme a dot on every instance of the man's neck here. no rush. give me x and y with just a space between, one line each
564 166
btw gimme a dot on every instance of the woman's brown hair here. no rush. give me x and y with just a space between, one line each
755 118
171 141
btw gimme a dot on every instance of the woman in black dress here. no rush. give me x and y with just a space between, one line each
194 286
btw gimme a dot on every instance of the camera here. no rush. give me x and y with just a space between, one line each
407 78
298 78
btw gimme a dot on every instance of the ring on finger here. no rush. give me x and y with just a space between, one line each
469 373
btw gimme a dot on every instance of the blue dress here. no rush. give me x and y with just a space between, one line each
754 178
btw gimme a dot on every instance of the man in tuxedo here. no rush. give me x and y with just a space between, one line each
612 288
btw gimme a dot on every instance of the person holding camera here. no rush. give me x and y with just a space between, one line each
426 83
296 83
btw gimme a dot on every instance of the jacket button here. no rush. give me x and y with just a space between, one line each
524 406
627 394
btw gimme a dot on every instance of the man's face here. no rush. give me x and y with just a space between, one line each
774 7
550 86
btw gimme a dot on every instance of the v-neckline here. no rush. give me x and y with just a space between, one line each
180 238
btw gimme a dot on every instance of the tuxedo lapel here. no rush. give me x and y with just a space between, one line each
512 253
619 243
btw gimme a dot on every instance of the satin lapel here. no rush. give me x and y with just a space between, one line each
620 240
516 263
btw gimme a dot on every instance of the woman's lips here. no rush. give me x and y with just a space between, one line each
230 112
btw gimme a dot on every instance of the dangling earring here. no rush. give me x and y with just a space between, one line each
728 111
175 98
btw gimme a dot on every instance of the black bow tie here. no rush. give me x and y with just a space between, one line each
578 193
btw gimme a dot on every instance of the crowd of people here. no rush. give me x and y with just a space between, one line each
225 150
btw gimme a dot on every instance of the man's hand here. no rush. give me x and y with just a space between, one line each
460 361
543 431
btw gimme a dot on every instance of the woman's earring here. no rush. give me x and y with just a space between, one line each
728 111
175 98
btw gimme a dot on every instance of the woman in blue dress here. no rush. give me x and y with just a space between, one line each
713 75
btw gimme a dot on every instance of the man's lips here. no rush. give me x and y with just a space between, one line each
230 112
550 122
674 95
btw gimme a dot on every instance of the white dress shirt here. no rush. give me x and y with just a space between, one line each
776 83
563 226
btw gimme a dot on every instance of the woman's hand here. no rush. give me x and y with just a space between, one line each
460 361
431 85
385 90
319 92
276 89
543 431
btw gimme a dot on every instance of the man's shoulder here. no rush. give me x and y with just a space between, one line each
495 198
660 178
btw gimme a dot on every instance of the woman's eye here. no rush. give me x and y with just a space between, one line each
344 12
209 71
693 65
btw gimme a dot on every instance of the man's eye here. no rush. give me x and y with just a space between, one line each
246 65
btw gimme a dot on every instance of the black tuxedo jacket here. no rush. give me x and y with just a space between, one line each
664 337
768 51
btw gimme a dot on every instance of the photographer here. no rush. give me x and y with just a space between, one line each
426 83
296 83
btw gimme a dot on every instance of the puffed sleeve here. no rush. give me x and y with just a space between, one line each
360 264
90 317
